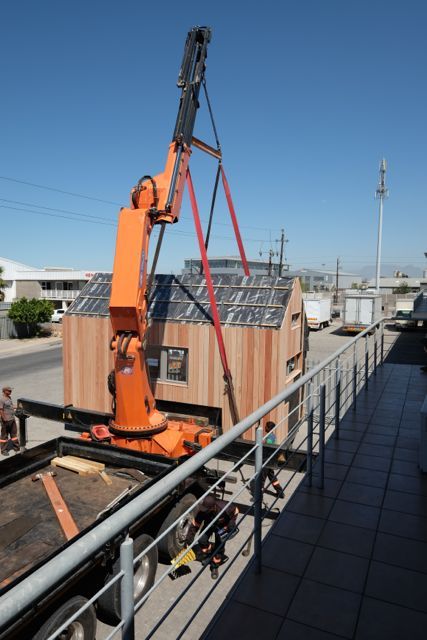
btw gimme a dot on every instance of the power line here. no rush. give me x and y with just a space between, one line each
68 193
110 223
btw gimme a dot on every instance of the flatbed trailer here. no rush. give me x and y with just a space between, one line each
30 533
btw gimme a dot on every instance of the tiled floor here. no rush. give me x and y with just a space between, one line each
348 561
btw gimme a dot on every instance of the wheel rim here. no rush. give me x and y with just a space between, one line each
74 631
182 530
141 574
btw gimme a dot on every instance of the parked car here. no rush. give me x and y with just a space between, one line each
57 315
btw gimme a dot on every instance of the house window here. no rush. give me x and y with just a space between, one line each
290 365
295 319
168 363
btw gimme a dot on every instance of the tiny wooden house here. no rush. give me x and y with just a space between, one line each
263 326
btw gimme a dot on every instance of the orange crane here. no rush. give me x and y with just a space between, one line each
136 422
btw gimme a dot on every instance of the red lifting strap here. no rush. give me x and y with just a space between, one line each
229 388
234 221
207 273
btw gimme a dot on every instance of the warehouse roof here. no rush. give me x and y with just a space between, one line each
242 300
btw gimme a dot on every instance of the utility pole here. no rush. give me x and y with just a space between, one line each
282 248
336 281
380 194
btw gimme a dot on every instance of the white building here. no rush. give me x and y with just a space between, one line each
58 284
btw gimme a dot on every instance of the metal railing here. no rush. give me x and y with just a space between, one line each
329 390
60 294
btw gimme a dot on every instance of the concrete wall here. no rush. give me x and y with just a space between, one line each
28 289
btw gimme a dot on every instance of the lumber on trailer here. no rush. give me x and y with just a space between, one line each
80 466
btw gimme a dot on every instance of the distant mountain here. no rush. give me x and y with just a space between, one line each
367 272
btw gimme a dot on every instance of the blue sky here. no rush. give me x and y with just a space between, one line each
308 97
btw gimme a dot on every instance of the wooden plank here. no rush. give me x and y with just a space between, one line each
73 465
98 465
106 478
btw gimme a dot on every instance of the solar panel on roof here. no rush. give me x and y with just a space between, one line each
242 300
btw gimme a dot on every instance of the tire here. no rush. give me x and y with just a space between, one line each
84 628
174 541
108 608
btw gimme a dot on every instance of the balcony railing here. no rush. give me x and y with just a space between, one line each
329 390
60 294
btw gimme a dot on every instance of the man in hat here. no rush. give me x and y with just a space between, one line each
8 422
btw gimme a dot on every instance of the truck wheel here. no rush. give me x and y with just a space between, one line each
83 628
109 609
174 541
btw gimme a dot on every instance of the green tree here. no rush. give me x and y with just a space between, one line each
29 313
402 288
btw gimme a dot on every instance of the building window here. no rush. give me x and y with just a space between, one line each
168 363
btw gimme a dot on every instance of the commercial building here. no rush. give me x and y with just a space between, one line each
232 265
60 285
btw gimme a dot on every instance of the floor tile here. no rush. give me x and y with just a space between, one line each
376 450
337 471
408 443
338 457
370 477
382 430
406 502
270 590
355 514
240 620
298 527
347 538
362 494
337 569
295 631
403 524
383 621
410 484
379 439
397 585
395 550
307 504
371 462
285 554
331 487
350 446
327 608
405 468
408 455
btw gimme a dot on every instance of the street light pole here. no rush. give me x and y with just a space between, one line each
380 194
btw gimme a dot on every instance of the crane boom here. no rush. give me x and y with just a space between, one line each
154 200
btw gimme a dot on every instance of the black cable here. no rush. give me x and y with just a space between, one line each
68 193
218 144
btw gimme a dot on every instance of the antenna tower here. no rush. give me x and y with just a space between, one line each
380 194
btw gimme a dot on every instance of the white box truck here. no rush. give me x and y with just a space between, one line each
360 311
403 314
317 310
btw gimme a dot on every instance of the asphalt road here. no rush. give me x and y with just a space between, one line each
37 375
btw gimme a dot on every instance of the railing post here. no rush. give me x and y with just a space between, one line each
126 590
337 397
354 375
382 345
322 417
22 419
310 432
258 499
366 362
375 352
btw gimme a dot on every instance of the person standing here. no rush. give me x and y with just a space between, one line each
8 422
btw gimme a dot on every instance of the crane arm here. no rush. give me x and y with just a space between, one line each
154 200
